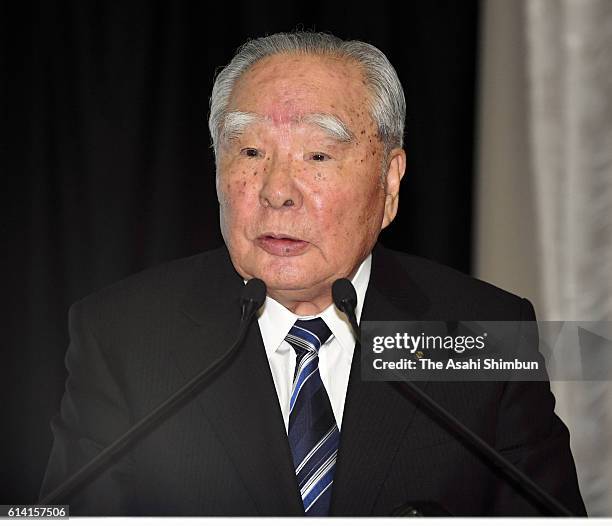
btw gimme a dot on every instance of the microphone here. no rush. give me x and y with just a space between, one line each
345 298
252 298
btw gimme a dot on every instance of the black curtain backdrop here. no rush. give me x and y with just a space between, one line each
106 165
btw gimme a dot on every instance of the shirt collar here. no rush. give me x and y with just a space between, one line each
275 320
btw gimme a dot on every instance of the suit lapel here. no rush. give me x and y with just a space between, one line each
241 402
242 405
376 416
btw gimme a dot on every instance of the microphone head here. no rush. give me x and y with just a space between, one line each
344 295
254 293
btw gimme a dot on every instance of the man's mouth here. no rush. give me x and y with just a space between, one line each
281 244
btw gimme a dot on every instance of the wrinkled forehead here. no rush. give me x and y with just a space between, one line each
286 88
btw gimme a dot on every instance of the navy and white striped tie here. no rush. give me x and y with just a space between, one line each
313 433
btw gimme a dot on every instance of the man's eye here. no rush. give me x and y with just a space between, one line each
250 152
318 156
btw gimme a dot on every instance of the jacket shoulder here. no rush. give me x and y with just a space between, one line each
161 285
448 292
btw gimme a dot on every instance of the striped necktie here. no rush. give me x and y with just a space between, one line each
313 433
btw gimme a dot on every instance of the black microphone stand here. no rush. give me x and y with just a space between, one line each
253 296
345 298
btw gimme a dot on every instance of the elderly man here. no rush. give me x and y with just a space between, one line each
307 131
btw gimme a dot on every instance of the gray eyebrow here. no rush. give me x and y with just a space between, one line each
235 122
330 124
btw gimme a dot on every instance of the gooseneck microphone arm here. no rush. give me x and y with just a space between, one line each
345 299
253 296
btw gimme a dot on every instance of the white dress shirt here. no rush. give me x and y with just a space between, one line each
335 356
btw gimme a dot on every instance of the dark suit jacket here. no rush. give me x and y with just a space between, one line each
134 343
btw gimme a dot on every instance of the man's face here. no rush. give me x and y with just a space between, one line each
302 200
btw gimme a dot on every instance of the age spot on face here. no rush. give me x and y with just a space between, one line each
336 199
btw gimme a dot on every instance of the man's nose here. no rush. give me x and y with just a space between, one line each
279 189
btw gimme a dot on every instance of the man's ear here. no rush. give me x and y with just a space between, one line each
393 178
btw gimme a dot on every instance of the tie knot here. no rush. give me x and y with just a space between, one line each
308 335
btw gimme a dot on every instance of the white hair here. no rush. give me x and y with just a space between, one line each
330 124
235 122
387 102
